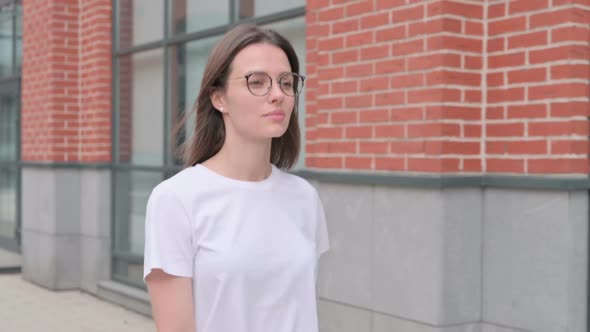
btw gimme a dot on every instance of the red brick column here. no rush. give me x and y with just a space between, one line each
395 85
448 86
125 82
96 80
66 81
538 92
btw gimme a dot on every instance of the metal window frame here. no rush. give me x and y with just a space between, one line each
13 83
168 40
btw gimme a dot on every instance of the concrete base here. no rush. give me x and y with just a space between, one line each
536 260
66 227
344 318
454 260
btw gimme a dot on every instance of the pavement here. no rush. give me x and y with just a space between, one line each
26 307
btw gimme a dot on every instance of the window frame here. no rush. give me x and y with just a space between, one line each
11 84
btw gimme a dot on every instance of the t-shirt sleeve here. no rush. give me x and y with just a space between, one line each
321 234
168 236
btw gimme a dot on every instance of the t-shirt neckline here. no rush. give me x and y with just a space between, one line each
240 183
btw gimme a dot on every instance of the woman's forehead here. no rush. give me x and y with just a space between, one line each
262 57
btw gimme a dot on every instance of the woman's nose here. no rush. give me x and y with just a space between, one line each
276 94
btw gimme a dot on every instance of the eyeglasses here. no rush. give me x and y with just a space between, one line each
260 83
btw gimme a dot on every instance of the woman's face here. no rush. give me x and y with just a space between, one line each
248 115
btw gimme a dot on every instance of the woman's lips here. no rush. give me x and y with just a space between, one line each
275 115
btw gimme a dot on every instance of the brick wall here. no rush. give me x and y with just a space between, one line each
66 81
443 86
538 86
125 83
434 86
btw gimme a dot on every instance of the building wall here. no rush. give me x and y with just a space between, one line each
442 88
415 89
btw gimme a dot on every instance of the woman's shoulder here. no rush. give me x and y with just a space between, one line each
181 184
297 182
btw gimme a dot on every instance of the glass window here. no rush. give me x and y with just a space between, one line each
19 37
250 8
129 269
8 190
141 102
8 127
193 15
132 190
187 67
6 40
10 59
140 21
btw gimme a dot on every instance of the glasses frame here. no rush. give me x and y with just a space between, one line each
295 94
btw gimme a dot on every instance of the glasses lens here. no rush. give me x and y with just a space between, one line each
291 84
259 83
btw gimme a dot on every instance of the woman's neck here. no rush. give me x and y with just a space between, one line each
242 159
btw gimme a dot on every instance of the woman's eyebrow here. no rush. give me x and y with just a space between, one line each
265 72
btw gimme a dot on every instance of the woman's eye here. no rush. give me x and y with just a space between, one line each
256 83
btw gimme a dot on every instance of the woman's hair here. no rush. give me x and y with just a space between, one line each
209 133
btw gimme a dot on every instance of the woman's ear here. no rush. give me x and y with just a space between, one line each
217 100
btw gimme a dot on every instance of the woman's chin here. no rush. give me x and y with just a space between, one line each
277 130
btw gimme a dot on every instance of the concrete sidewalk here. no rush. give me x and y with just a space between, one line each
25 307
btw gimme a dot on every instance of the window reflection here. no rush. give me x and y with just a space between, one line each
140 21
141 104
251 8
8 127
10 39
8 190
194 15
187 68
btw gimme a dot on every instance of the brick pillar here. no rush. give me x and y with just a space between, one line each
125 82
95 80
66 82
50 95
66 112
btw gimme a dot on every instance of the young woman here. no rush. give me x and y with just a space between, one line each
232 241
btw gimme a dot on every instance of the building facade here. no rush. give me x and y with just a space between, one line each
448 139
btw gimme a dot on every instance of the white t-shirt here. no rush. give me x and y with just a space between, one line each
251 248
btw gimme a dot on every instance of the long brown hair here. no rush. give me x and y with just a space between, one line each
209 134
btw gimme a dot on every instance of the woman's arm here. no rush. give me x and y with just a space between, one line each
172 301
